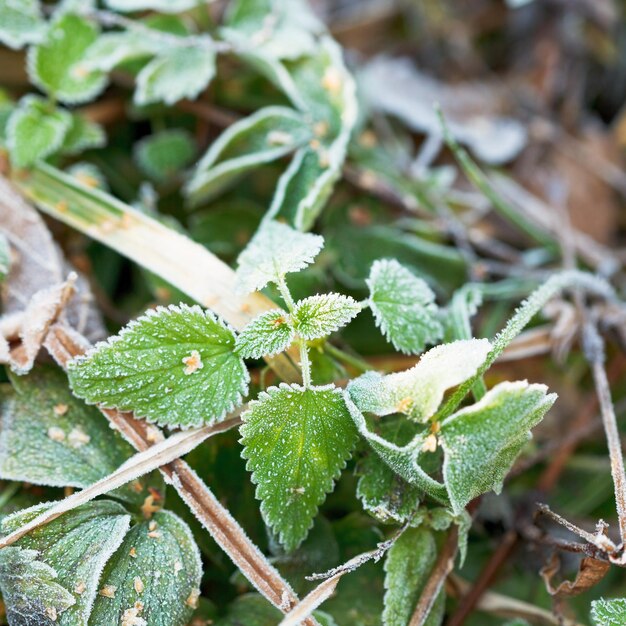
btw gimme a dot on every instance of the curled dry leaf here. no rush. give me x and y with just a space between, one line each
590 572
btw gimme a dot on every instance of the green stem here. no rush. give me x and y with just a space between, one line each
8 492
285 293
355 361
528 309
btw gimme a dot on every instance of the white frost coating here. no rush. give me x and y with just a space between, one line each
320 315
418 392
274 251
266 335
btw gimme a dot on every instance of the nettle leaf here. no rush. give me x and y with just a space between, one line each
76 546
21 23
407 569
160 6
404 307
289 33
112 49
175 366
275 250
49 437
35 130
323 314
83 134
32 596
482 441
418 392
296 441
164 154
384 494
53 65
267 334
175 74
154 576
265 136
609 612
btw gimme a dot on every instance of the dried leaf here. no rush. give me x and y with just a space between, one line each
590 572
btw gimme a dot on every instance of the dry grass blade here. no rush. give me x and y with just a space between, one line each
64 345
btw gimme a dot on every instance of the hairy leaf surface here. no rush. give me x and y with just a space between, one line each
267 334
319 316
403 306
296 441
609 612
21 23
175 366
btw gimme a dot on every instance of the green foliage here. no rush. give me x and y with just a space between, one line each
35 130
274 251
403 306
53 65
296 441
482 441
268 334
83 135
164 154
175 366
267 135
175 74
162 6
608 612
75 546
319 316
21 23
158 581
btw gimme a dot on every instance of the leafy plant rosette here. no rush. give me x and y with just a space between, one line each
422 452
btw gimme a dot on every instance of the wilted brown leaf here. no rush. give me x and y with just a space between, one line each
590 572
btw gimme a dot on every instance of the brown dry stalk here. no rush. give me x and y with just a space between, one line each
65 344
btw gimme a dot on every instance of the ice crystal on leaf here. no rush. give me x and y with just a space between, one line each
267 334
323 314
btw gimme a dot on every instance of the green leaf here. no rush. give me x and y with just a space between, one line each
49 437
164 154
274 251
482 441
83 134
112 49
175 366
156 573
53 65
175 74
267 334
321 315
21 23
161 6
281 29
32 596
296 441
418 392
76 546
5 257
265 136
609 612
407 569
35 130
404 307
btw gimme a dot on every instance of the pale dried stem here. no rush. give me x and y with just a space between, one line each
212 515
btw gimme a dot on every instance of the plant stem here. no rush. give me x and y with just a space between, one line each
285 293
528 309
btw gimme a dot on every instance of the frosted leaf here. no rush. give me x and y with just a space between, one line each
404 307
267 334
76 546
114 48
30 589
161 6
35 130
274 251
267 135
166 560
609 612
53 65
175 74
41 425
321 315
164 154
407 569
481 441
21 23
143 369
83 134
418 392
404 460
296 441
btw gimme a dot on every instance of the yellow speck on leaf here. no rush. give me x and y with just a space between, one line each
192 363
108 591
60 409
56 434
138 584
